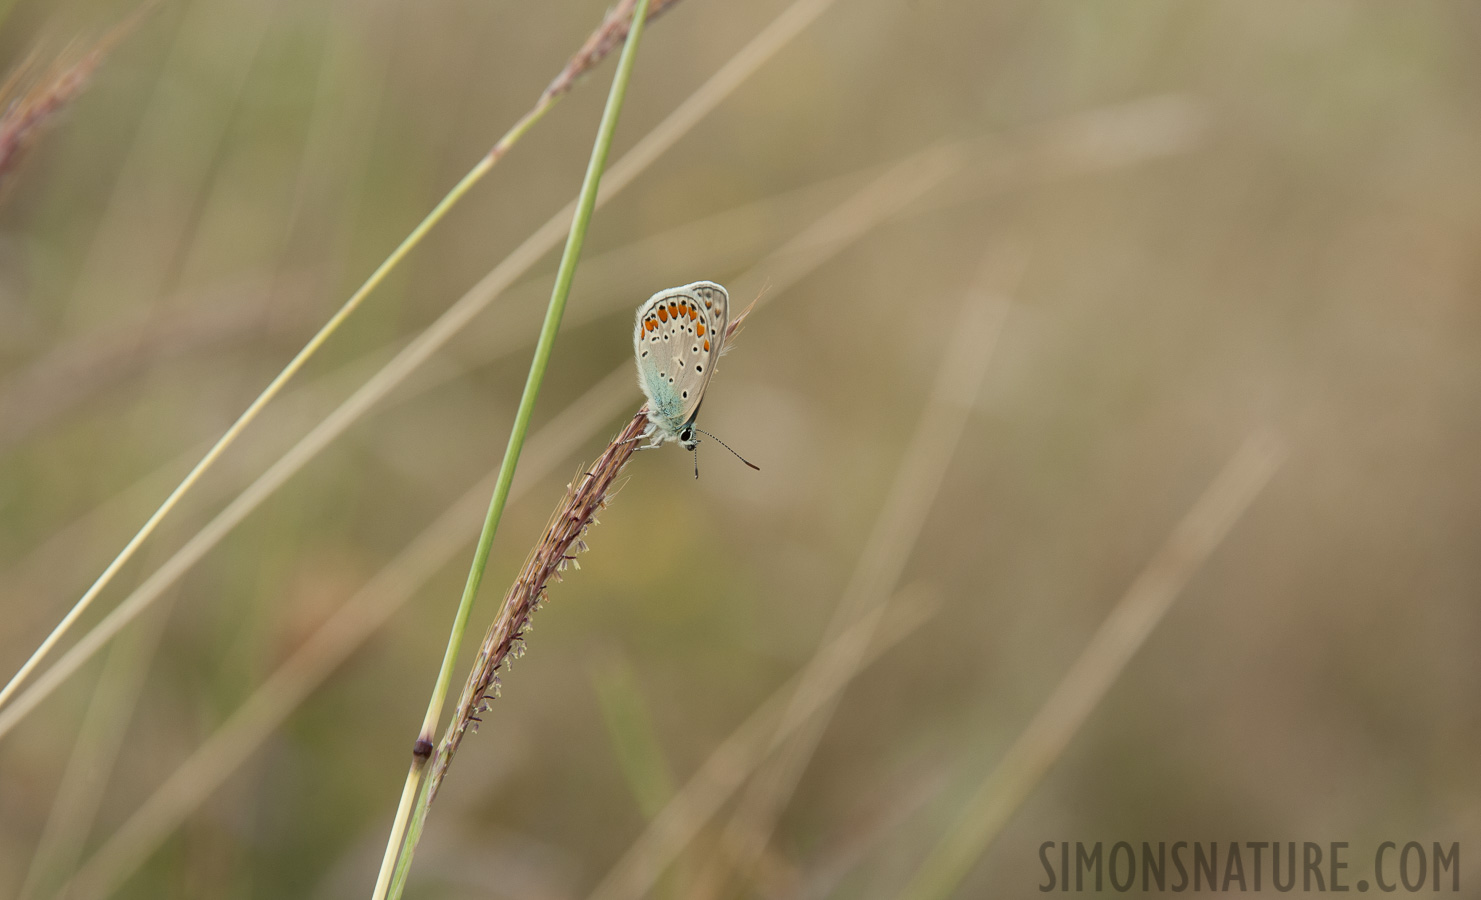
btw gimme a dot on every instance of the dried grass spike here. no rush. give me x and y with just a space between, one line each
571 518
608 37
28 109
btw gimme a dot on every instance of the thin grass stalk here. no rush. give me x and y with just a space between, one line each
560 544
1081 143
557 548
626 264
119 222
200 774
401 845
245 730
763 731
880 564
813 245
94 753
417 351
589 55
1117 640
206 769
888 195
882 560
115 698
1077 144
70 373
618 267
897 186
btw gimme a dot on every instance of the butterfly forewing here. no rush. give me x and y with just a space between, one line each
677 341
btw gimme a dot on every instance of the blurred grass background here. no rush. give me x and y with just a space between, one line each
237 167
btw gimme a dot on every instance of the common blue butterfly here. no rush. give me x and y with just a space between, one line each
677 341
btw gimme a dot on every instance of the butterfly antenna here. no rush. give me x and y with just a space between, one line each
723 444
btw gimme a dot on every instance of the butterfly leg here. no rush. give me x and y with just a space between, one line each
654 441
649 435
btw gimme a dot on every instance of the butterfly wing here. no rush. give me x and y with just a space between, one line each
677 342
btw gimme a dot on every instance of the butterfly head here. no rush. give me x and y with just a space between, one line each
687 440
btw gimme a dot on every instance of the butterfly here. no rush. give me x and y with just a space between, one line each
677 341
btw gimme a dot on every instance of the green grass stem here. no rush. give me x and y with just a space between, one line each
451 199
407 827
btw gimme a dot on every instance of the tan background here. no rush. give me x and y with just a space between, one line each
1305 260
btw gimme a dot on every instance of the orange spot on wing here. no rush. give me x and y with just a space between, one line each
693 314
707 344
652 324
663 314
700 330
683 309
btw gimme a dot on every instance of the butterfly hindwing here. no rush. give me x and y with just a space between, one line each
677 342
